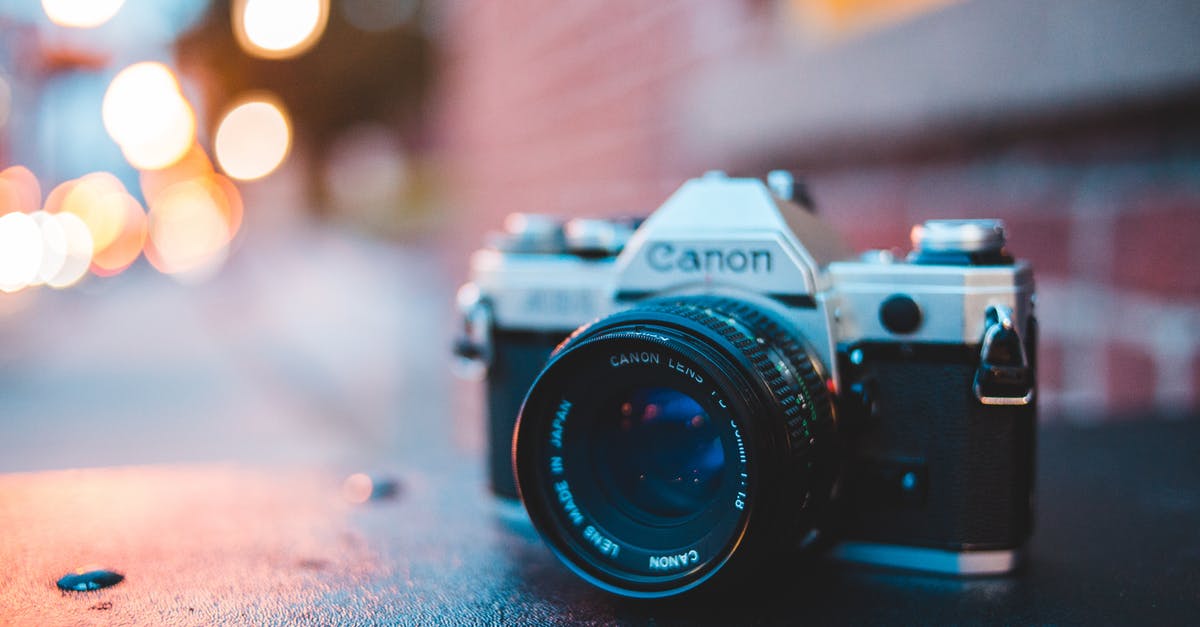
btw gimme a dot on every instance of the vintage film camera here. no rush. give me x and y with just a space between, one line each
725 382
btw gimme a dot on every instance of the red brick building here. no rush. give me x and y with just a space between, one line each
1077 123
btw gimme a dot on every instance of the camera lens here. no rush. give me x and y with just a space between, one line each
659 454
676 443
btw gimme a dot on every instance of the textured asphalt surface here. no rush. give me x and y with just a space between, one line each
203 544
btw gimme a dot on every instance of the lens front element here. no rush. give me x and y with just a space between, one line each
660 453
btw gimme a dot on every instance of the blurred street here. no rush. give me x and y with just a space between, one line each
233 230
312 345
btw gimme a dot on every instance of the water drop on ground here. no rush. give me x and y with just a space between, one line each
90 580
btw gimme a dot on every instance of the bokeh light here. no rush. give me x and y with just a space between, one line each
147 116
19 190
124 249
20 251
78 251
54 246
54 200
229 202
253 139
189 230
276 29
194 164
113 218
161 150
81 13
196 167
194 215
97 199
10 197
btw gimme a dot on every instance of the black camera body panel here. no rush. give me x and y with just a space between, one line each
517 358
932 466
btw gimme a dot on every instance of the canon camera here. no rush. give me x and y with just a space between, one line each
680 401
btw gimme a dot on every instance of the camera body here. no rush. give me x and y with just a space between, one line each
929 362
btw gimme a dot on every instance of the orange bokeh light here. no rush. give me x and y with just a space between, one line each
10 197
54 200
196 168
124 249
189 230
19 190
231 205
114 219
194 164
98 200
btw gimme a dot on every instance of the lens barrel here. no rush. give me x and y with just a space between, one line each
676 443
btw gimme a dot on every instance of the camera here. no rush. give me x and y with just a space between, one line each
685 401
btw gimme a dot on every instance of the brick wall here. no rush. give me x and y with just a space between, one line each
571 108
1113 241
561 107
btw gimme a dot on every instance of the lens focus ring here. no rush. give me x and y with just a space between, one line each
779 357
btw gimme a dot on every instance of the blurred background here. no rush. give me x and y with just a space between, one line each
233 229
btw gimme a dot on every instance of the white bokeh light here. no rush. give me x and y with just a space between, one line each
20 251
81 13
54 246
252 140
147 116
78 253
277 29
